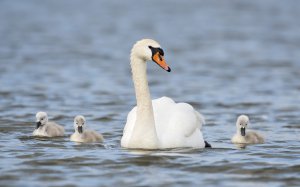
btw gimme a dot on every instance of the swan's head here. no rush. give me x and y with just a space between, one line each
41 119
79 124
148 49
241 124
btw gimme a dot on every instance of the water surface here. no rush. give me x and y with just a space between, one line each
72 57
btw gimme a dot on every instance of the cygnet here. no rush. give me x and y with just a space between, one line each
244 136
81 134
46 128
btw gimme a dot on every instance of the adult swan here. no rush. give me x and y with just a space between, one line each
160 123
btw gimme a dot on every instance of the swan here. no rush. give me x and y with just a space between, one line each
245 137
84 136
160 123
46 128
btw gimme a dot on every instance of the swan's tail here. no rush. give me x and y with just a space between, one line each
207 145
202 122
201 119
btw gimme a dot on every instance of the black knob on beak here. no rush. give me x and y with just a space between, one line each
243 131
38 124
80 129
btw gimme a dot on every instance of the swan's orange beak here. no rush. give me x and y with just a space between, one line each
159 59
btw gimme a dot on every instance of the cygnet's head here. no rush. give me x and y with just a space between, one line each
41 119
148 49
241 124
79 123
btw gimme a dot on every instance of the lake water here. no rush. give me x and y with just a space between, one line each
227 58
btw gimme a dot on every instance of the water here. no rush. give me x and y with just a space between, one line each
72 57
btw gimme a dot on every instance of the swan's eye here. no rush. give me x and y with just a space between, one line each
240 124
42 119
76 123
161 52
155 50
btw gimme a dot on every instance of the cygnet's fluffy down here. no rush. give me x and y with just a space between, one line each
46 128
244 136
82 135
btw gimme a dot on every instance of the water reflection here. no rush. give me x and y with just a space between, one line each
241 146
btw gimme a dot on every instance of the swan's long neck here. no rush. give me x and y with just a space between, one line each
144 133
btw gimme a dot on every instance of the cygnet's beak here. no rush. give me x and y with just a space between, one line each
38 124
243 131
159 59
79 129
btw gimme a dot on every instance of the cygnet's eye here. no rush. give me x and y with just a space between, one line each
240 124
82 123
246 124
76 123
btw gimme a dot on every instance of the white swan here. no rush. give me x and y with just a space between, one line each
245 137
82 135
46 128
160 123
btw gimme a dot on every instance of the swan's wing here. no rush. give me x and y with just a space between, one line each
259 138
88 136
49 131
186 119
60 129
173 116
96 136
201 119
53 129
177 124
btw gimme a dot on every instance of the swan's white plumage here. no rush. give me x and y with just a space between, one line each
47 129
160 123
250 137
177 124
86 136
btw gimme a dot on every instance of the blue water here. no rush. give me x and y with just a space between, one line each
72 57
